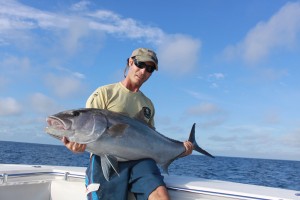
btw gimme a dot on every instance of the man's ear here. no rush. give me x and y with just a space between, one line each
130 62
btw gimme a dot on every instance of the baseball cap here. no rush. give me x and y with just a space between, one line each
144 55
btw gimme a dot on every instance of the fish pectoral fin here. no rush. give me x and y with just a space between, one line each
80 138
107 163
118 129
165 166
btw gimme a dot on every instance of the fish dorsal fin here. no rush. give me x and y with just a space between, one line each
117 130
107 163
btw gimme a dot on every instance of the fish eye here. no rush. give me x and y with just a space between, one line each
75 113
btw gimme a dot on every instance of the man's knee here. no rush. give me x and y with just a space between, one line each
160 193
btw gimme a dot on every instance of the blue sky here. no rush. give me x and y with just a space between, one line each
231 67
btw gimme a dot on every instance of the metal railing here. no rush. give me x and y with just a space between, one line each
47 175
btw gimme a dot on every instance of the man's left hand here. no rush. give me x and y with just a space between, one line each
188 148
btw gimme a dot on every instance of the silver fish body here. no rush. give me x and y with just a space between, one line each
116 137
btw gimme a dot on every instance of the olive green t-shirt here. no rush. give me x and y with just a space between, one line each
117 98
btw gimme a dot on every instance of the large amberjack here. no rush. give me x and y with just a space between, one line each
115 137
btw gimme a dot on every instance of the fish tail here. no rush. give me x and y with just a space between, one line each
195 145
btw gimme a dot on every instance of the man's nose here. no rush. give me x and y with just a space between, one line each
143 71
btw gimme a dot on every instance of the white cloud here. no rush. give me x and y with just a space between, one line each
210 114
14 69
9 106
178 54
214 85
198 95
74 74
81 5
204 109
43 104
213 122
19 23
3 81
280 31
252 140
15 64
216 76
271 117
78 29
272 74
214 80
292 140
64 86
112 23
17 17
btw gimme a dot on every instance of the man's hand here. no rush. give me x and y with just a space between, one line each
73 146
188 148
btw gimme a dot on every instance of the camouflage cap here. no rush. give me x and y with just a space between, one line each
144 55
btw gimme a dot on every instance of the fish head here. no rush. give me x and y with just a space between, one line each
81 126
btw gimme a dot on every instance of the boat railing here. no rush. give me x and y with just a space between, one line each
6 178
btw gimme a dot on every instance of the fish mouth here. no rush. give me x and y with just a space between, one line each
55 136
57 128
56 123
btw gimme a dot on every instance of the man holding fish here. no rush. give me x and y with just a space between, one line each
141 177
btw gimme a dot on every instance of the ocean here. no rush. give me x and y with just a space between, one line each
265 172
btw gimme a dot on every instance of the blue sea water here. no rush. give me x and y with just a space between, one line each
273 173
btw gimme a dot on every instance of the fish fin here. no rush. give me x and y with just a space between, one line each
83 140
195 145
118 129
166 166
107 163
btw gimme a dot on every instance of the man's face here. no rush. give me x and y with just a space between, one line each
138 75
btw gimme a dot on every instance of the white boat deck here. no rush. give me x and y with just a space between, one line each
63 183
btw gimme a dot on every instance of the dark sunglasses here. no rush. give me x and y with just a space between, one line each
142 65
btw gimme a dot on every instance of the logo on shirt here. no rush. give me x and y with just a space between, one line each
147 112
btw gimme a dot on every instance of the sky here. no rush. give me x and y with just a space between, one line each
232 67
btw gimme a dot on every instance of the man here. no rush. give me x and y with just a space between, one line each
141 177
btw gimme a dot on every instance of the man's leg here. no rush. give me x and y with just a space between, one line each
160 193
146 181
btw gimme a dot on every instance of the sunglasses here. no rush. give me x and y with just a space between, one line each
142 65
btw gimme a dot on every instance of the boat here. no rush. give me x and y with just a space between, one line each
44 182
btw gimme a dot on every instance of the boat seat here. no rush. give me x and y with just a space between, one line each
43 190
32 191
64 190
46 190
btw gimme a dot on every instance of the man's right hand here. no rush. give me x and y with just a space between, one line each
73 146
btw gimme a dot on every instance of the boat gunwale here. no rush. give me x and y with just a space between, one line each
174 183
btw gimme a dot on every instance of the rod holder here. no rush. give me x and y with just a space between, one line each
66 176
4 178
